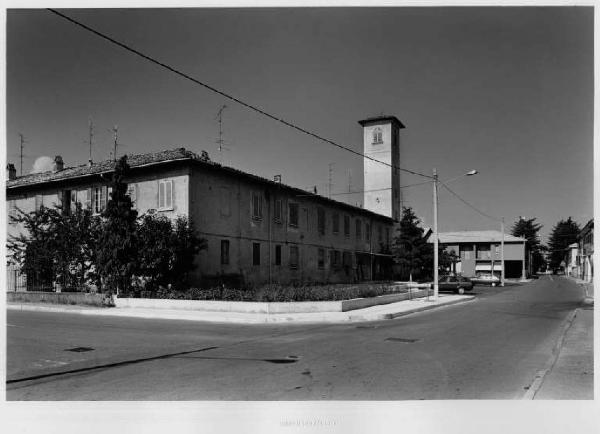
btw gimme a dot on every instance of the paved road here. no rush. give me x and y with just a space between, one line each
487 349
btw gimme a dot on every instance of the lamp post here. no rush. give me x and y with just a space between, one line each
502 253
435 228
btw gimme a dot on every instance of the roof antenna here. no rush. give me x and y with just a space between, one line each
23 141
220 140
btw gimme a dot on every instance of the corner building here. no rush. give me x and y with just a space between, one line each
257 230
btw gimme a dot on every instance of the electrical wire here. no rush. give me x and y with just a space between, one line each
468 204
226 95
380 189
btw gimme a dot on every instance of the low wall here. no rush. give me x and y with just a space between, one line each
266 307
80 298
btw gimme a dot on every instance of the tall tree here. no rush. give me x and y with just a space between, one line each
563 234
116 255
528 229
410 249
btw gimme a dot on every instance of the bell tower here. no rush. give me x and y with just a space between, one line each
381 141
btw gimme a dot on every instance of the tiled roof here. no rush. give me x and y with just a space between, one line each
139 160
475 237
102 167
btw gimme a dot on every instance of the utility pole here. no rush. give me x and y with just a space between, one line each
22 144
435 237
220 139
502 253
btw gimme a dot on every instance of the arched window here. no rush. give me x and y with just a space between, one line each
377 136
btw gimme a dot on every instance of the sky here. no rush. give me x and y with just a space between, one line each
505 91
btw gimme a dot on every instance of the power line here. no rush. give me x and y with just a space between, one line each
379 189
468 204
232 98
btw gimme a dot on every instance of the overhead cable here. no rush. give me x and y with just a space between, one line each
226 95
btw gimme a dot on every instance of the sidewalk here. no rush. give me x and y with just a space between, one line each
588 289
374 313
572 375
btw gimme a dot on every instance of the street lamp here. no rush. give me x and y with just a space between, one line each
435 229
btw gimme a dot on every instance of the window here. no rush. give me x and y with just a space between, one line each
336 223
465 252
278 255
483 252
497 249
347 259
293 256
358 229
321 258
379 234
165 194
256 206
99 199
84 197
293 215
278 211
321 221
367 231
335 258
346 226
224 252
255 253
377 136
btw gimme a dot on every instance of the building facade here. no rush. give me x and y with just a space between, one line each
585 242
481 252
257 230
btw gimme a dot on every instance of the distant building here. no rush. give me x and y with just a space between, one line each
480 251
585 242
572 261
257 230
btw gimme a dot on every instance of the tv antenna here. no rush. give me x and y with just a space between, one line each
90 139
220 140
23 141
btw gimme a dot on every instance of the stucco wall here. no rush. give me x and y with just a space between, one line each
221 207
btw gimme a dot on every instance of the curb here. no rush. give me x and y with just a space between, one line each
541 374
424 308
372 313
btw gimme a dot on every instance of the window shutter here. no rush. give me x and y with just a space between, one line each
169 194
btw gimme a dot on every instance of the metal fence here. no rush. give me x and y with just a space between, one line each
17 280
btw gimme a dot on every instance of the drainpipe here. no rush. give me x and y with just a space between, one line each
269 217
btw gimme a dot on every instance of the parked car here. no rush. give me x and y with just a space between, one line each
457 284
486 279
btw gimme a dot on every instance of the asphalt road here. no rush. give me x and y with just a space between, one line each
490 348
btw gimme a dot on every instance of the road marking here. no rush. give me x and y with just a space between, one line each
540 375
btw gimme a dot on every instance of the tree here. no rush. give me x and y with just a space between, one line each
528 229
117 250
56 247
34 250
186 246
563 234
410 249
166 250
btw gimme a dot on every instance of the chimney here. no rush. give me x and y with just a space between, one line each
11 172
58 164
